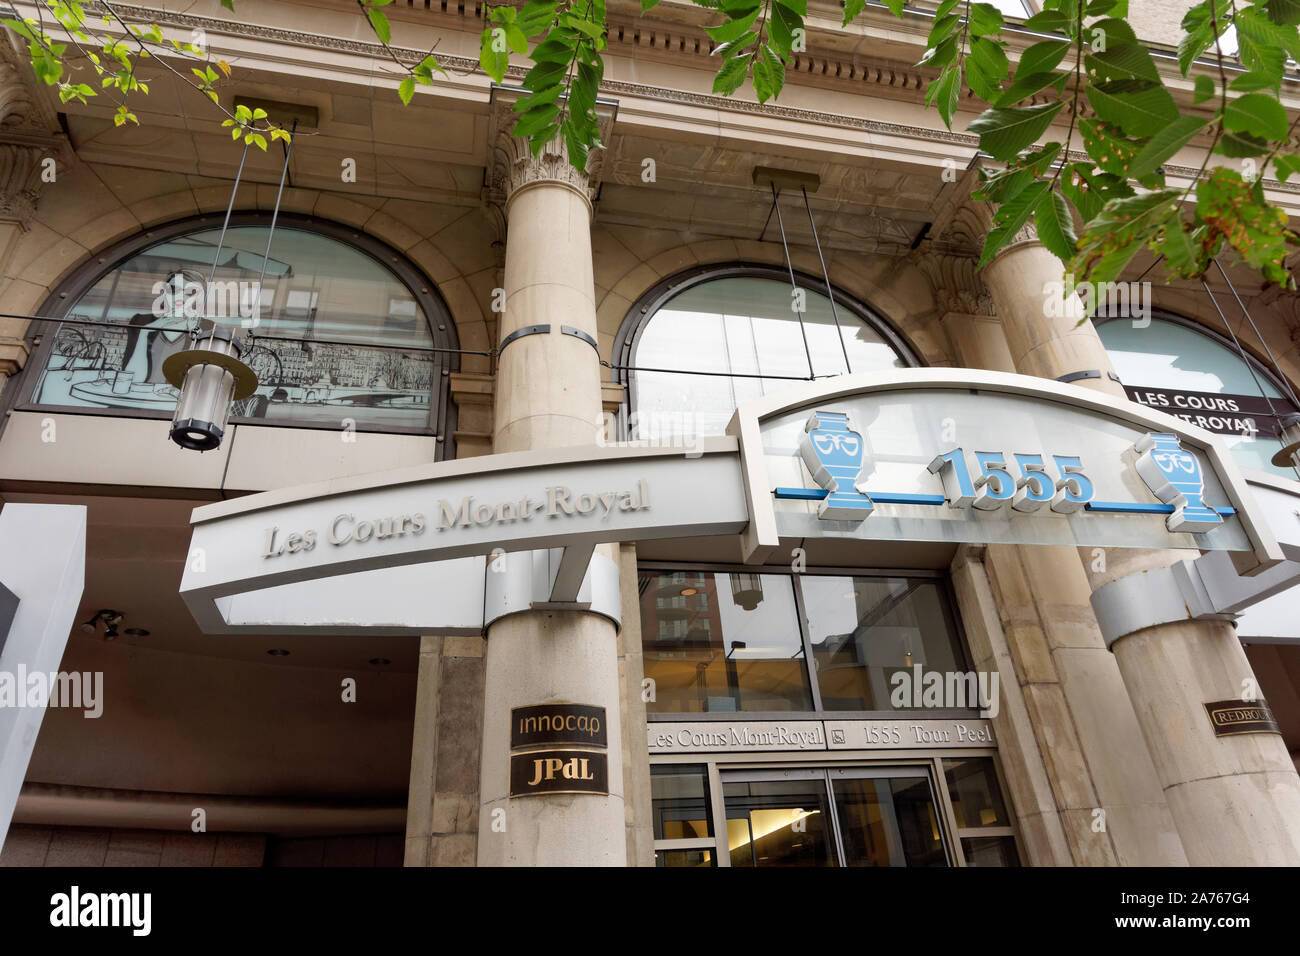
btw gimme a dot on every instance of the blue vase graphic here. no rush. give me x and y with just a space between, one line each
833 453
1174 476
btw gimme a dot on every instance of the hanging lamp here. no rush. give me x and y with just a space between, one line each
211 375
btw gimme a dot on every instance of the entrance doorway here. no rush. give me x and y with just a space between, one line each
831 816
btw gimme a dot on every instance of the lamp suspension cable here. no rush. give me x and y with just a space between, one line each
794 286
1240 351
221 238
1277 369
826 276
275 215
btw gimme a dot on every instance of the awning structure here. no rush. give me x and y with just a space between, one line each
938 455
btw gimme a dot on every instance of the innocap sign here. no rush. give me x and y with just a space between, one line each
903 455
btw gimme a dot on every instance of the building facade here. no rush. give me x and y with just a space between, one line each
434 296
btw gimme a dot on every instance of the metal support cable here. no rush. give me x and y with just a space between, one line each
826 276
275 214
221 239
1277 369
794 287
1240 351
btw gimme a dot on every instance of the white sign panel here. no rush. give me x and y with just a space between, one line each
962 456
783 736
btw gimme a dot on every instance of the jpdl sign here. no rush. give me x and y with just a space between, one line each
964 456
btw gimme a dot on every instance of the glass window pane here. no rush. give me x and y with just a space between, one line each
778 823
722 643
679 797
696 857
337 334
743 327
976 797
888 821
990 851
864 630
1171 355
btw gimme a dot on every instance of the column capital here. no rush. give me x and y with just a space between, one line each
29 134
512 165
956 282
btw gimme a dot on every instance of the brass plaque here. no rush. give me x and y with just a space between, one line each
557 724
1230 717
558 771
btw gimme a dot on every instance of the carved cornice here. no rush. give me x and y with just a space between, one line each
514 166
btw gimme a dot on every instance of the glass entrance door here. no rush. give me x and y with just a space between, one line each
853 816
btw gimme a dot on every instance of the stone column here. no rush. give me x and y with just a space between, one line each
1235 800
28 138
548 394
1079 721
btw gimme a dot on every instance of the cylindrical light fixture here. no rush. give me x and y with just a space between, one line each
1289 434
209 376
747 590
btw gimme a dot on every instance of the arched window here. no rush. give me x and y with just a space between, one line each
701 343
1178 367
344 328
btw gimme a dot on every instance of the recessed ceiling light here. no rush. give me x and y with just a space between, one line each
380 661
687 592
136 632
278 652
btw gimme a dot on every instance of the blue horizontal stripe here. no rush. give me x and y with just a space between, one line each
1137 508
879 497
909 498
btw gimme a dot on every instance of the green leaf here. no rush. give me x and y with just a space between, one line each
732 29
1257 114
1239 145
515 38
1164 145
896 7
1250 82
379 20
648 5
1286 12
1262 45
1184 256
1235 211
732 74
945 91
1055 225
991 59
1286 165
1137 107
1108 148
1010 218
1113 237
1049 21
1204 88
406 89
1042 57
1129 61
984 19
1004 132
1193 44
536 120
798 6
781 26
494 64
229 5
1027 86
851 10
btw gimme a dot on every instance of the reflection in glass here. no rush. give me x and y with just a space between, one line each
888 821
337 335
680 799
707 652
740 326
865 630
778 823
990 851
1166 354
976 796
687 857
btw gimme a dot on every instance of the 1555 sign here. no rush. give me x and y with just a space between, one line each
994 487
